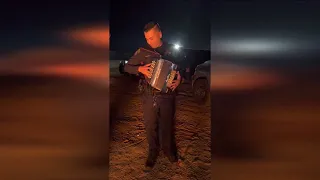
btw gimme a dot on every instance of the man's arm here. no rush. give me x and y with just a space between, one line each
131 68
133 64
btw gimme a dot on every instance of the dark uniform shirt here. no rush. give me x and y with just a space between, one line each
166 51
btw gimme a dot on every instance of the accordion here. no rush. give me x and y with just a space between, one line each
163 73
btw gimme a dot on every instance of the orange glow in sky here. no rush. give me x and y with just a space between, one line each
99 70
96 35
232 77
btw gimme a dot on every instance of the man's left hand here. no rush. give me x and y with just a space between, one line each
176 83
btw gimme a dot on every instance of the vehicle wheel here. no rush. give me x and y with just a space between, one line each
201 91
121 69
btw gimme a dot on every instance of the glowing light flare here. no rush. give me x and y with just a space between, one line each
252 46
98 36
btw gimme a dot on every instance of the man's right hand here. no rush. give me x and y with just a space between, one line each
145 70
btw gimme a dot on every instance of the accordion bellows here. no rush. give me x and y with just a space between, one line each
163 73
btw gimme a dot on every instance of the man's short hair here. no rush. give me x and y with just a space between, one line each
151 25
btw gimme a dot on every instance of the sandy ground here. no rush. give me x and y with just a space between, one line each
129 146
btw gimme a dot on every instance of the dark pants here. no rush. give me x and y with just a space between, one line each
159 119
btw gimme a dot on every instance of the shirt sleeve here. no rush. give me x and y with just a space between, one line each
133 64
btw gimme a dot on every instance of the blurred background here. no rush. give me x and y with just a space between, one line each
54 77
265 90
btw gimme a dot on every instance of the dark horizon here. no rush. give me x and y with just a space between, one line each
183 22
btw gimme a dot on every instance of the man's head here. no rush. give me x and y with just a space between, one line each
153 34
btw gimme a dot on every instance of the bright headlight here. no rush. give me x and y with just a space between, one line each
177 46
125 62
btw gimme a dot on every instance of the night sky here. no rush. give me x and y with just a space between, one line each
284 27
185 22
28 24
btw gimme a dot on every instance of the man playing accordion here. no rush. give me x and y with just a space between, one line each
158 107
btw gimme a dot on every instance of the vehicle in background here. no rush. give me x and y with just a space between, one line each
135 77
121 67
201 83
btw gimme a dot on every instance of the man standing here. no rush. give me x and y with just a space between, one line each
158 108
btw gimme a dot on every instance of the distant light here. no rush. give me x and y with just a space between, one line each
177 46
125 62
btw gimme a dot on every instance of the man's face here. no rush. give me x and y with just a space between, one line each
153 37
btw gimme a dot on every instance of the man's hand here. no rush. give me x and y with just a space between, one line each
145 70
176 83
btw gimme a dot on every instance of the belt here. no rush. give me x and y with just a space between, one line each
152 91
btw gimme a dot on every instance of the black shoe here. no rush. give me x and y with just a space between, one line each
147 169
151 161
177 160
173 159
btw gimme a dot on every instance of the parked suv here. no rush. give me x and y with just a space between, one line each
201 83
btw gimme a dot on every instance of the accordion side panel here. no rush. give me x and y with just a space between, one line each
156 74
171 76
167 71
162 75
